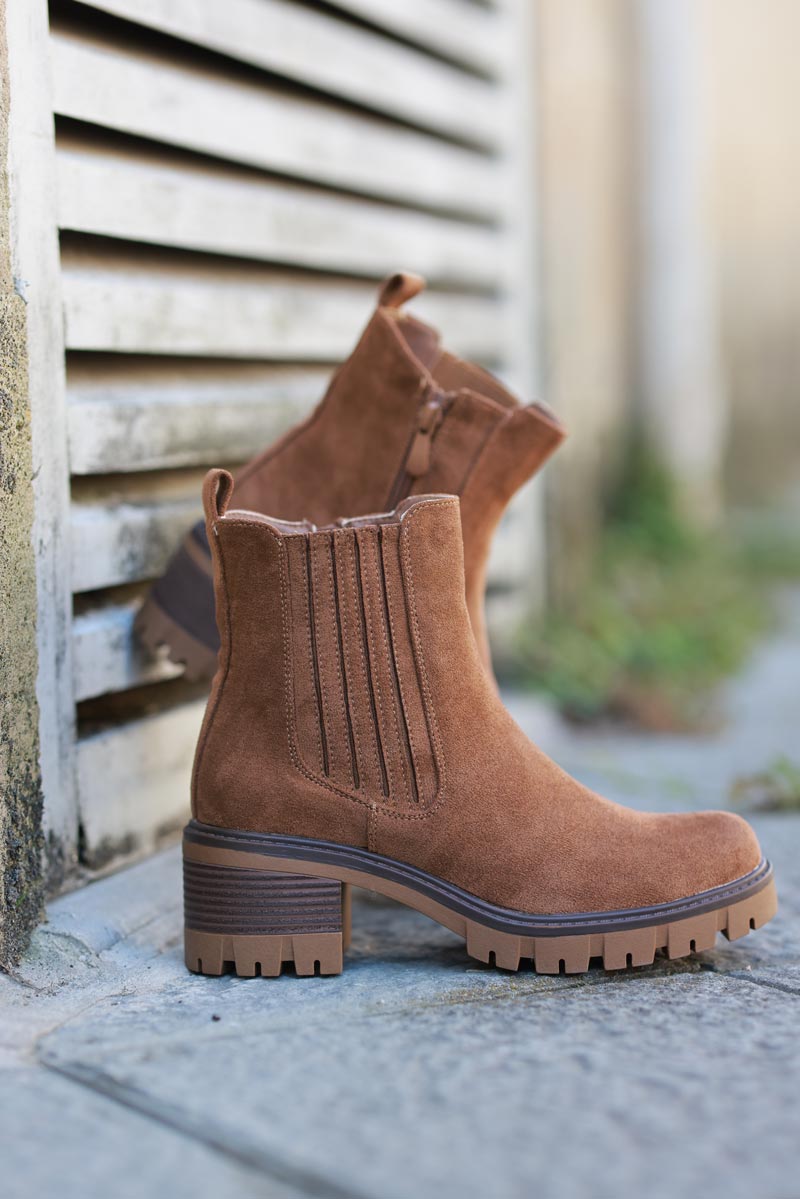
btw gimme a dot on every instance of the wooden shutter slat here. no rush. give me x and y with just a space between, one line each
120 543
122 419
467 32
316 49
259 125
241 314
133 780
106 656
125 195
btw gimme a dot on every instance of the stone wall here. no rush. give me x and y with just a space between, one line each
20 792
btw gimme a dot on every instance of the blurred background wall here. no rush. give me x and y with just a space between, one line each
584 77
750 54
669 151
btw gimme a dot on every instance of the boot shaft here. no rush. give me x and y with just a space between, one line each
402 417
351 708
323 677
352 736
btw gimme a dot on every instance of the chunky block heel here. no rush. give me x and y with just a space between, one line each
252 921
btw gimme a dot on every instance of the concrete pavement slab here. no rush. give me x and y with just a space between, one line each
60 1139
637 1085
419 1072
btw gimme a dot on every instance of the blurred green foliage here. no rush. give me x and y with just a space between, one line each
776 789
666 612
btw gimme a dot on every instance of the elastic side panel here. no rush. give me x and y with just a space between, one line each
391 722
307 711
414 710
325 623
358 682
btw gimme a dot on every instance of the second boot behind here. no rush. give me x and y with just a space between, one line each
402 416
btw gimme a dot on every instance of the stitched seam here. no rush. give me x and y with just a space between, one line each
400 476
375 675
493 431
402 589
330 571
312 626
363 649
547 437
380 620
297 761
321 602
346 640
386 809
759 876
414 764
300 621
300 766
409 525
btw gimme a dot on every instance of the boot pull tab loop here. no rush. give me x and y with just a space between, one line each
217 491
398 289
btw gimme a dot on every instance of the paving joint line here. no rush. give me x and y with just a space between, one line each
765 982
319 1021
166 1115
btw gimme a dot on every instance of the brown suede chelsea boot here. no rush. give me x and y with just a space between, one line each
352 736
401 416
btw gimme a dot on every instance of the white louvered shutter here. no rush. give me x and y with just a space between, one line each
230 181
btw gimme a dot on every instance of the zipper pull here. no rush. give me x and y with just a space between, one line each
419 454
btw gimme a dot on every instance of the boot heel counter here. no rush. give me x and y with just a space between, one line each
202 787
238 778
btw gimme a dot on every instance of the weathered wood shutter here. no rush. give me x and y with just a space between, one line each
230 182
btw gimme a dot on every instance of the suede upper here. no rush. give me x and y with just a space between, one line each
351 705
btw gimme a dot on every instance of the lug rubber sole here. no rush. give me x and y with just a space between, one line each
255 901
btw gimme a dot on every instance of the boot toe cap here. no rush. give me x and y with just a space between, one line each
734 848
707 850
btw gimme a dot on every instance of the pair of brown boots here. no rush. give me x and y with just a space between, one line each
354 734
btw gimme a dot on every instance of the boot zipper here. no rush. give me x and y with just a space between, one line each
417 459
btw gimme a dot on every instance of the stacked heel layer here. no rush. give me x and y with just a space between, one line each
253 921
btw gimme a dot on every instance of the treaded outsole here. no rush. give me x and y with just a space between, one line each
253 921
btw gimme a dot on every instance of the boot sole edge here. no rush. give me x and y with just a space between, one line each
624 938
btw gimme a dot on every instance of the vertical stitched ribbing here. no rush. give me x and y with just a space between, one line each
395 678
369 766
362 617
407 577
345 689
315 656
